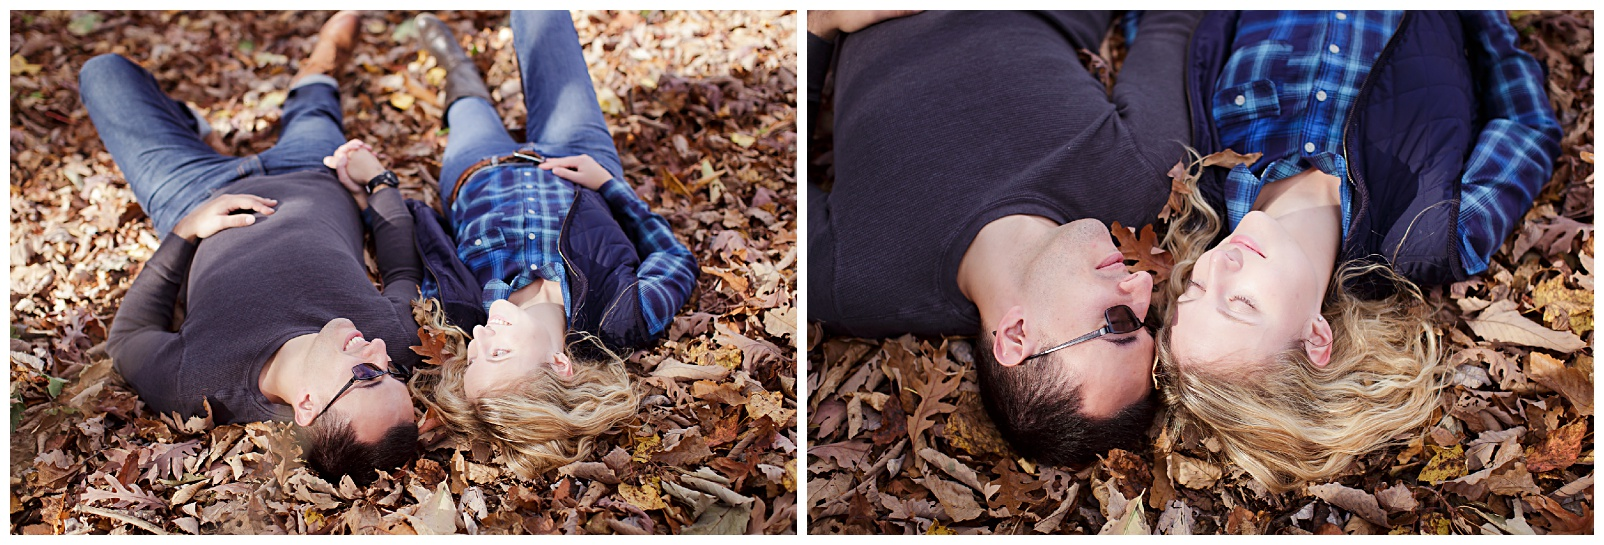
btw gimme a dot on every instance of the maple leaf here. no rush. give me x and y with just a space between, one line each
1144 251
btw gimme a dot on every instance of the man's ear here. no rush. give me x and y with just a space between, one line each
1009 344
1317 342
306 408
562 365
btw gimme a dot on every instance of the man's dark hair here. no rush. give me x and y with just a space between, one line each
331 449
1041 418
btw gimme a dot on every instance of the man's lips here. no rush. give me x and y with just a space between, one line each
1113 259
1247 242
354 334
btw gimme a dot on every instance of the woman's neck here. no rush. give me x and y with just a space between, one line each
542 301
1309 206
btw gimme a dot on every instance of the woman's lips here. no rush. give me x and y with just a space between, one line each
1247 242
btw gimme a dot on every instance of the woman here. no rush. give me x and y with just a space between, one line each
1299 340
572 265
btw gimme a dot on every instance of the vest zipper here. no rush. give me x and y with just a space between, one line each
1347 124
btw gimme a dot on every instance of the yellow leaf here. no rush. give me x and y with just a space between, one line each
402 101
21 66
1446 464
742 140
647 496
728 357
645 447
936 529
435 76
609 101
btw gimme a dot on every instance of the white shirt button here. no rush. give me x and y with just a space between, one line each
530 199
1342 16
531 236
478 242
1335 49
529 186
1320 96
1240 100
534 267
531 210
1308 147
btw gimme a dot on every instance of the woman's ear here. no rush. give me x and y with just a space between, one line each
1009 344
562 365
1317 342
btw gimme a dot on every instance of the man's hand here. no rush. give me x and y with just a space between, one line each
217 214
828 23
579 169
354 164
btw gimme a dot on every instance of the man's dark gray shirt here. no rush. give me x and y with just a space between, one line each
250 289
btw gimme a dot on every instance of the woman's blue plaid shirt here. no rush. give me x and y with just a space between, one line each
1291 81
509 221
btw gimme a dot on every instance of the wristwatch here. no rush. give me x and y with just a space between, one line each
386 178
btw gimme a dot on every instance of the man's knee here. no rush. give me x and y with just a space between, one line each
103 69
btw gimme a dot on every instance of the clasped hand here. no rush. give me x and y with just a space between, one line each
354 164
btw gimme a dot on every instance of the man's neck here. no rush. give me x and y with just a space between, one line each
1309 206
991 274
287 361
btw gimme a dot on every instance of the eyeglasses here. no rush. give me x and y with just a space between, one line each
364 372
1116 320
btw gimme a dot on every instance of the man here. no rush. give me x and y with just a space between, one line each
976 162
273 299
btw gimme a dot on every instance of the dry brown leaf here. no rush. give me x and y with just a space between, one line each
1573 383
1560 450
1353 500
1501 323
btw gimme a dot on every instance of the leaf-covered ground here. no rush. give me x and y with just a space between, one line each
702 108
899 443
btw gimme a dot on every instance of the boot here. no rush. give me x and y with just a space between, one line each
462 79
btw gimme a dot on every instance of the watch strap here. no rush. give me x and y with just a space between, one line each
384 178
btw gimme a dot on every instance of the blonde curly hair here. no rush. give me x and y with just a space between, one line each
547 420
1292 422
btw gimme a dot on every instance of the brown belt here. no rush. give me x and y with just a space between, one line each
514 157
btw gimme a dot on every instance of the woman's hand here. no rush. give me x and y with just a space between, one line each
828 23
579 169
217 214
354 164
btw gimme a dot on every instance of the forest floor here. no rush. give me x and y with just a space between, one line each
702 106
899 442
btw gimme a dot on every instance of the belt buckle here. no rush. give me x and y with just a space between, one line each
531 157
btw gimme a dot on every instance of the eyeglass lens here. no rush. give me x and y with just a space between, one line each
1122 319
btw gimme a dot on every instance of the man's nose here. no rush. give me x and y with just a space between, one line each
374 352
1139 286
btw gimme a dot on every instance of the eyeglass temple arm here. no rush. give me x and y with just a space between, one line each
1072 342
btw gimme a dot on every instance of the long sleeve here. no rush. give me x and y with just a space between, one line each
819 51
667 271
142 343
1515 151
393 246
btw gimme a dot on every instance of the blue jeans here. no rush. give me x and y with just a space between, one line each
154 138
564 118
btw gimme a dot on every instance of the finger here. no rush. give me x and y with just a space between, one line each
330 160
562 162
249 202
239 220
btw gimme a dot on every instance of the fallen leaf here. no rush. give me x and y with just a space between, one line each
1353 500
1501 323
1560 450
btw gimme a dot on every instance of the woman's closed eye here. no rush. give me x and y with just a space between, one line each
1244 300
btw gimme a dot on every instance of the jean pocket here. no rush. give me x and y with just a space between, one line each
1247 101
